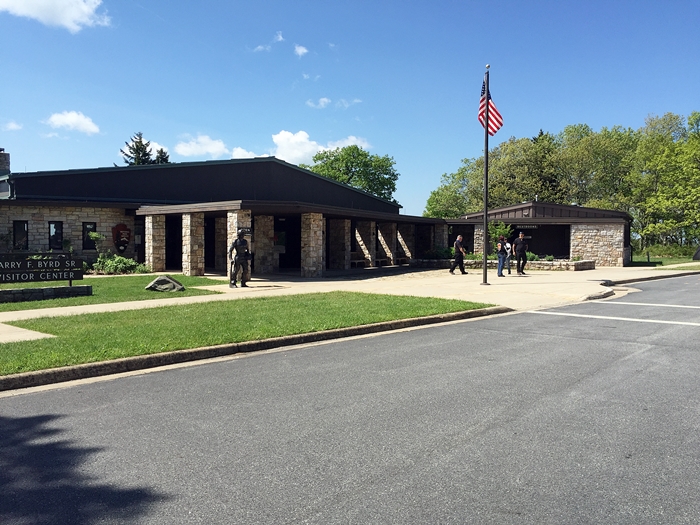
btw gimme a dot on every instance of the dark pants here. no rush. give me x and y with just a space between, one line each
459 261
521 260
240 265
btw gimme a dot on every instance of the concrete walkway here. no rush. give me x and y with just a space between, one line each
536 290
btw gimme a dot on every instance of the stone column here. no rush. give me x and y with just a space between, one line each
387 240
266 259
312 244
220 247
193 244
339 240
406 237
366 237
441 236
155 242
235 220
479 238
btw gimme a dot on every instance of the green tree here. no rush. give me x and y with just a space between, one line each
356 167
138 152
162 157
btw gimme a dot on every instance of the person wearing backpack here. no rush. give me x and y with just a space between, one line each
502 253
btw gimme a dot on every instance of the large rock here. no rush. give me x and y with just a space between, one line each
696 257
165 283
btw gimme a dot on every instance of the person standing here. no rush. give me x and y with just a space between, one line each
240 257
459 256
520 248
509 253
502 253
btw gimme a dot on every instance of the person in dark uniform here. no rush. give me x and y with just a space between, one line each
240 262
520 247
459 256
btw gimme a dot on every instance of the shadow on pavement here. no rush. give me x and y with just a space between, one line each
41 480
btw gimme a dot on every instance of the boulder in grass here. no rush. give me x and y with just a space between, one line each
696 257
165 283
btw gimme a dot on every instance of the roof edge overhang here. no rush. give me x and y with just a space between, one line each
283 208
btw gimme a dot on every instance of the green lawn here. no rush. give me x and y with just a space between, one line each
639 260
103 336
114 289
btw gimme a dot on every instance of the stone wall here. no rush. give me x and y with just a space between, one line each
18 295
72 217
339 244
312 244
441 236
386 233
155 242
406 238
602 243
193 244
366 237
266 258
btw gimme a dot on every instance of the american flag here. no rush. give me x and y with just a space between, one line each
495 118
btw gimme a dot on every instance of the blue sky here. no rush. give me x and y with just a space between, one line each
217 79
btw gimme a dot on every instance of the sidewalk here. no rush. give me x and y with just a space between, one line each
536 290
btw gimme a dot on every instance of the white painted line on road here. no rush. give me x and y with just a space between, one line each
646 304
616 318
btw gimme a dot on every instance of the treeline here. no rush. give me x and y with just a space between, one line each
652 173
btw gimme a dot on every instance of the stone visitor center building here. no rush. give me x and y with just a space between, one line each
182 217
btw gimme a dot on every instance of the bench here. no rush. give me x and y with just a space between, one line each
358 260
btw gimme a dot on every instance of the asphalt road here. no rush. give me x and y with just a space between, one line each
588 413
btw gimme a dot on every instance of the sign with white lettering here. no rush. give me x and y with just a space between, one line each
38 267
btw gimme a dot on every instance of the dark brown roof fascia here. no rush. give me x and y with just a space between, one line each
283 208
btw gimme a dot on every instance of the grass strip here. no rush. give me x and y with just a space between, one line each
114 289
103 336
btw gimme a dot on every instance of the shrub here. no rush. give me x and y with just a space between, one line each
116 264
532 256
549 258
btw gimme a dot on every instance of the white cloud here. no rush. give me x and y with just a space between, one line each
202 145
300 51
240 153
267 47
71 14
298 148
73 120
322 103
349 141
295 148
342 103
12 126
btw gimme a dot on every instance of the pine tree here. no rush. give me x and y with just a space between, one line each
137 151
162 157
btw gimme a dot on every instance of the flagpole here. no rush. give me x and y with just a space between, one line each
486 174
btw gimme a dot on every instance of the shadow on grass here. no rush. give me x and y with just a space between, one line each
41 482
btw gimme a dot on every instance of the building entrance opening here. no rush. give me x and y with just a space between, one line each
288 241
173 243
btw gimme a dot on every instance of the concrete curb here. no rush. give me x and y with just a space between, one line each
130 364
650 278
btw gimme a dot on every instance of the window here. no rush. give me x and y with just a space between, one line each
88 228
20 235
55 235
